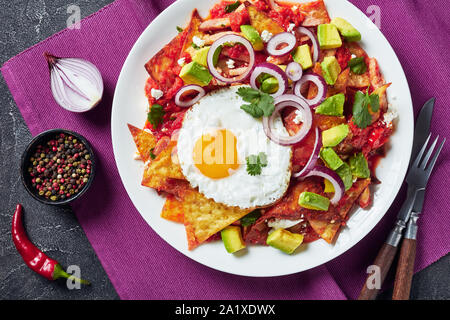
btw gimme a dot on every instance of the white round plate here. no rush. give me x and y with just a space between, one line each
130 105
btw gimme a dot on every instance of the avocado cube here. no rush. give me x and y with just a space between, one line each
313 201
359 166
332 106
201 55
284 240
333 136
347 31
195 73
252 35
330 158
345 173
269 85
232 239
329 188
328 36
330 69
302 55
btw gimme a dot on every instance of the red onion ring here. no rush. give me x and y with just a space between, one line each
230 38
274 71
313 158
288 100
278 39
190 87
314 41
294 71
333 177
321 86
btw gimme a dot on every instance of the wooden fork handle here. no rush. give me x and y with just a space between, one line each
405 270
383 261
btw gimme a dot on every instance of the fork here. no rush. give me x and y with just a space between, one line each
405 268
417 179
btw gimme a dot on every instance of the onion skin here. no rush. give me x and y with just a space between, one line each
185 104
333 177
284 101
230 38
319 82
274 71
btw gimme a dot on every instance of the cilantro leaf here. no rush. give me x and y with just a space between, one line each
196 47
152 155
374 102
156 114
255 163
231 7
250 218
357 65
361 115
260 103
179 29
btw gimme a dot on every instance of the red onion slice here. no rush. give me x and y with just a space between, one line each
321 86
279 39
288 100
314 41
274 71
313 158
294 71
333 177
191 87
230 38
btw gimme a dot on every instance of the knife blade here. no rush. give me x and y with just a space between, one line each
421 133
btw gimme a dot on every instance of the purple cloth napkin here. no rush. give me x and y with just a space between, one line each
116 230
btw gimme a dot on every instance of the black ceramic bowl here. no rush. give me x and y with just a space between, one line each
42 138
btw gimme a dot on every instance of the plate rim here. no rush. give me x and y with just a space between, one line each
369 228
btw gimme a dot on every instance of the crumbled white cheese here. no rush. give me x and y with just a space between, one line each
355 179
198 42
230 63
353 56
291 27
137 156
266 35
157 94
283 223
181 61
390 116
294 8
147 130
298 117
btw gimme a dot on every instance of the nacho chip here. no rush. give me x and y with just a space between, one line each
358 80
160 169
204 217
340 85
173 209
261 21
163 66
315 13
144 141
192 31
351 195
326 230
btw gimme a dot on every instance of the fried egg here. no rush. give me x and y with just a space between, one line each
215 141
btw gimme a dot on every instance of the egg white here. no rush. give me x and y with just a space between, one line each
221 110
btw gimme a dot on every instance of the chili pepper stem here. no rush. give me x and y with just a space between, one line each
59 272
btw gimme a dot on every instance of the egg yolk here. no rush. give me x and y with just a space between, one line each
215 155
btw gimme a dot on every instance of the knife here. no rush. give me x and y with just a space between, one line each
388 250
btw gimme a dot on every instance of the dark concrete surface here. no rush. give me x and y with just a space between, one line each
56 230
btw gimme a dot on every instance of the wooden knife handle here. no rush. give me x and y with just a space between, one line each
383 261
405 270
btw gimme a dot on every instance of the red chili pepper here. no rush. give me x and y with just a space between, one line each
34 258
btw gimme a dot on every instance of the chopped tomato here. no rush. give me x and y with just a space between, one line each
234 52
238 18
218 11
285 16
262 5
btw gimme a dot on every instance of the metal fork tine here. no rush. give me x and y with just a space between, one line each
429 153
433 161
419 156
